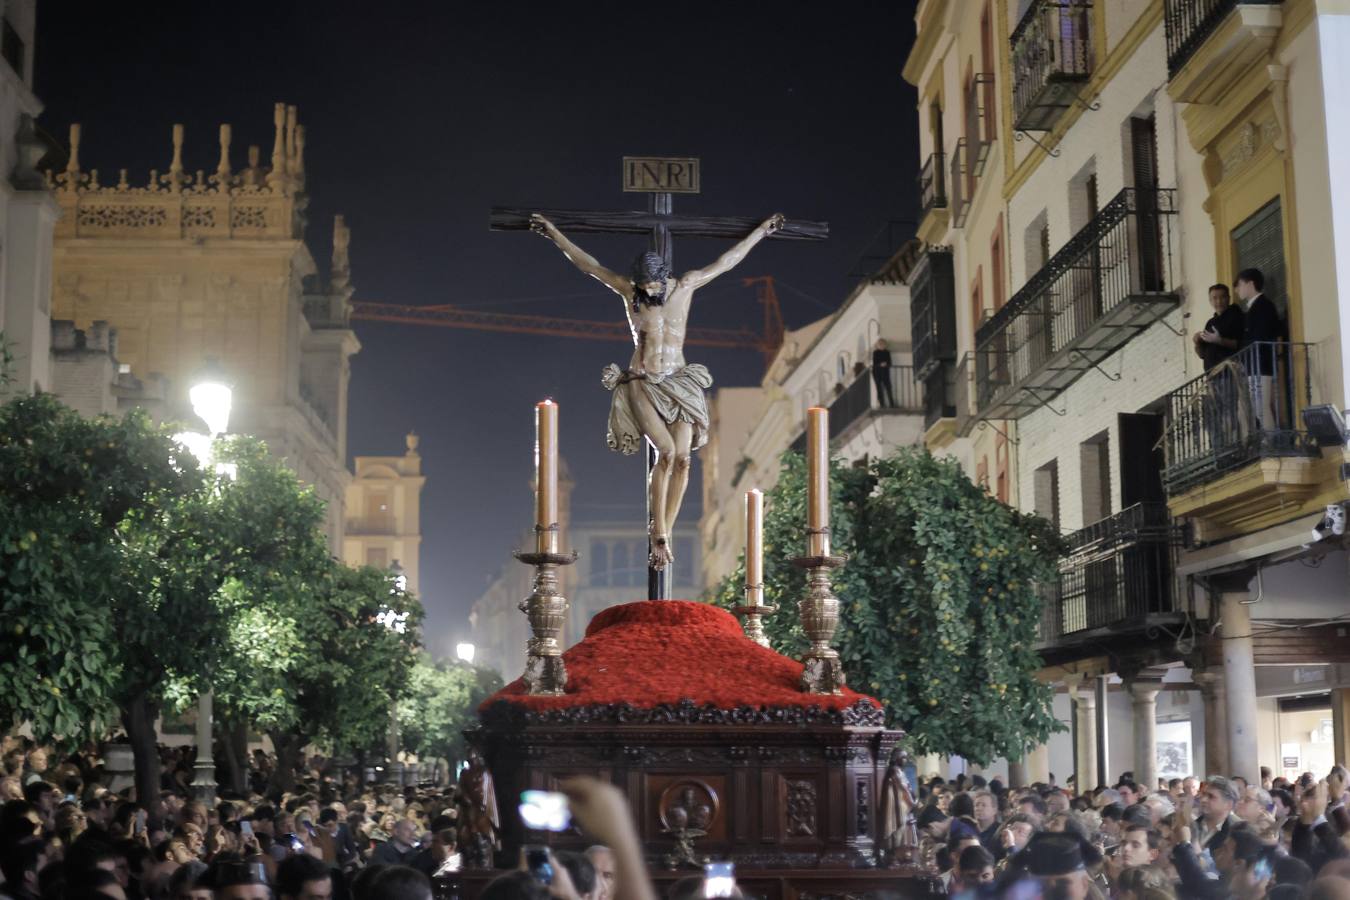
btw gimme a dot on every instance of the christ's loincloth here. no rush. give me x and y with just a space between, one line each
677 397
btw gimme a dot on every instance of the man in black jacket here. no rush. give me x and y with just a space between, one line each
1263 328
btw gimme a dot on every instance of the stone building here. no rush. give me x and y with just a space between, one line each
826 363
384 513
27 211
191 264
1088 170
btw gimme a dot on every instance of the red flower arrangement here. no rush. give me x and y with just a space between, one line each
657 652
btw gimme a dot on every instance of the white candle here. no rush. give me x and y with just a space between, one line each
818 480
754 547
546 473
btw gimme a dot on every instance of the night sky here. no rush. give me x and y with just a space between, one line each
421 116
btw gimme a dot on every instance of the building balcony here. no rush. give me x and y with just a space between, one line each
939 395
1116 579
932 311
963 395
1110 282
933 184
1234 442
1051 61
962 183
372 526
859 399
1210 42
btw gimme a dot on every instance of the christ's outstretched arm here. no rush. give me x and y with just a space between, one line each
580 258
696 278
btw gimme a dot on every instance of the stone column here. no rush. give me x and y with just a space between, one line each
1239 683
1210 682
1085 752
1017 772
1340 722
1144 693
204 773
1038 764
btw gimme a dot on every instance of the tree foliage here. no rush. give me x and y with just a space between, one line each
128 577
441 701
939 604
81 505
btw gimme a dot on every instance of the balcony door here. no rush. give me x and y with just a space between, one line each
1144 161
1141 459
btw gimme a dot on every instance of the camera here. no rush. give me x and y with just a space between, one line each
1332 524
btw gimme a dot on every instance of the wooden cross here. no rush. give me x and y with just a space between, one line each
659 179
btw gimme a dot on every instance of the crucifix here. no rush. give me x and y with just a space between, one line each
659 403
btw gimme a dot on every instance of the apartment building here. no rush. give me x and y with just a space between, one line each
825 363
1139 151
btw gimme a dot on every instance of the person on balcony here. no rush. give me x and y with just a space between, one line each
1263 329
881 373
1223 332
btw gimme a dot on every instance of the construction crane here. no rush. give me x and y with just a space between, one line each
448 316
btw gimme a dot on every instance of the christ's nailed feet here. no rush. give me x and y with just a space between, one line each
661 555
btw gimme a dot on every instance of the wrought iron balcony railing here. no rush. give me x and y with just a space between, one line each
1189 23
1110 282
1117 575
981 130
860 398
372 525
1051 59
939 394
961 184
932 311
932 184
1247 408
963 394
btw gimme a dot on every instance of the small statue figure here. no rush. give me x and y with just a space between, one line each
658 397
478 819
898 840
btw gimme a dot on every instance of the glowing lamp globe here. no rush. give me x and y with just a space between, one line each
212 397
465 652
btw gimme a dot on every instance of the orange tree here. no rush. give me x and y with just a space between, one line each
939 605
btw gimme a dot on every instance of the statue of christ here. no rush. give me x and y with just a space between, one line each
659 396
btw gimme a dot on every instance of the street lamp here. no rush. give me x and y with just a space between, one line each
212 397
396 622
465 652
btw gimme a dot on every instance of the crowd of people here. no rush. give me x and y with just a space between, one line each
1212 839
65 836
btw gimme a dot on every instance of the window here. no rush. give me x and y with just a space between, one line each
1258 243
1001 469
987 67
977 298
996 267
377 557
1095 464
620 573
684 561
599 564
1046 487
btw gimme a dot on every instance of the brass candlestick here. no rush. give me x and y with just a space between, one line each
546 609
752 612
823 673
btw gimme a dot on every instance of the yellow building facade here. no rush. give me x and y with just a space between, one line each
192 264
384 513
1142 151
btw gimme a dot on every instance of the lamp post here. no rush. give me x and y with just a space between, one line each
394 622
464 652
212 398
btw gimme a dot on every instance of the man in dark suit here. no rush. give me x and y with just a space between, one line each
1263 329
